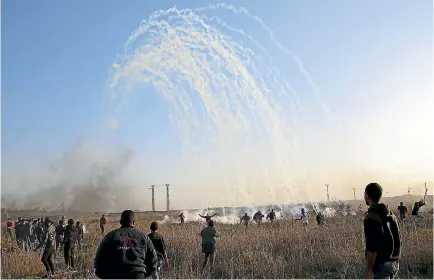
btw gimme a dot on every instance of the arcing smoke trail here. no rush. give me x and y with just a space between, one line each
235 110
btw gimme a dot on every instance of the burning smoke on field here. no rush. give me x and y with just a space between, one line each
83 178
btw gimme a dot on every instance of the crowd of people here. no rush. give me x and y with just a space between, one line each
127 252
34 234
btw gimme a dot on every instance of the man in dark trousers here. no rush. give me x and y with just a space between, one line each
271 216
69 240
125 253
49 243
382 236
60 232
102 223
402 210
160 248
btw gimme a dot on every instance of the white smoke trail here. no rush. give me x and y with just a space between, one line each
227 100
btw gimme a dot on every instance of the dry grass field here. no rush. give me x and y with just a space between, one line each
284 250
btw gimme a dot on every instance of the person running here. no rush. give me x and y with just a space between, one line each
382 237
209 240
102 223
320 218
181 217
49 243
303 217
258 217
271 216
402 210
245 219
69 241
207 217
160 248
126 252
60 231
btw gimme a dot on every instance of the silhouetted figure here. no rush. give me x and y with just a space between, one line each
402 210
303 217
416 207
60 231
80 233
70 239
245 219
181 217
271 216
207 217
102 223
160 248
320 218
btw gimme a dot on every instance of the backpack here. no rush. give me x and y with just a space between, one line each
391 235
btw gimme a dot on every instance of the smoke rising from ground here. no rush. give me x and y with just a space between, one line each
85 178
232 215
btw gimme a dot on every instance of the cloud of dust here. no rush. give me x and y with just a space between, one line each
85 178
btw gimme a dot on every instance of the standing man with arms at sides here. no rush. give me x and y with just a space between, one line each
209 239
60 231
125 253
102 223
402 210
71 237
160 249
382 236
49 243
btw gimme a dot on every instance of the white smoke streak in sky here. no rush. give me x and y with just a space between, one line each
237 115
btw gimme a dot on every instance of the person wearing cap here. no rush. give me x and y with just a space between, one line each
126 252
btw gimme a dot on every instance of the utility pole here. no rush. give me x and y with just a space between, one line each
167 198
153 197
354 193
328 197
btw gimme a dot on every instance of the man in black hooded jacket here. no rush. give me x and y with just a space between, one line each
125 253
383 243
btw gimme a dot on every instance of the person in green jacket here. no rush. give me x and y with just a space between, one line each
209 239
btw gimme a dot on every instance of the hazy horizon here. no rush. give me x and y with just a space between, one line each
229 108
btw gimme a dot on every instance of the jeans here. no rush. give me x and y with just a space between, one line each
69 255
387 270
47 259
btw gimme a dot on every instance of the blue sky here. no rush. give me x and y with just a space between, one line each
56 56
